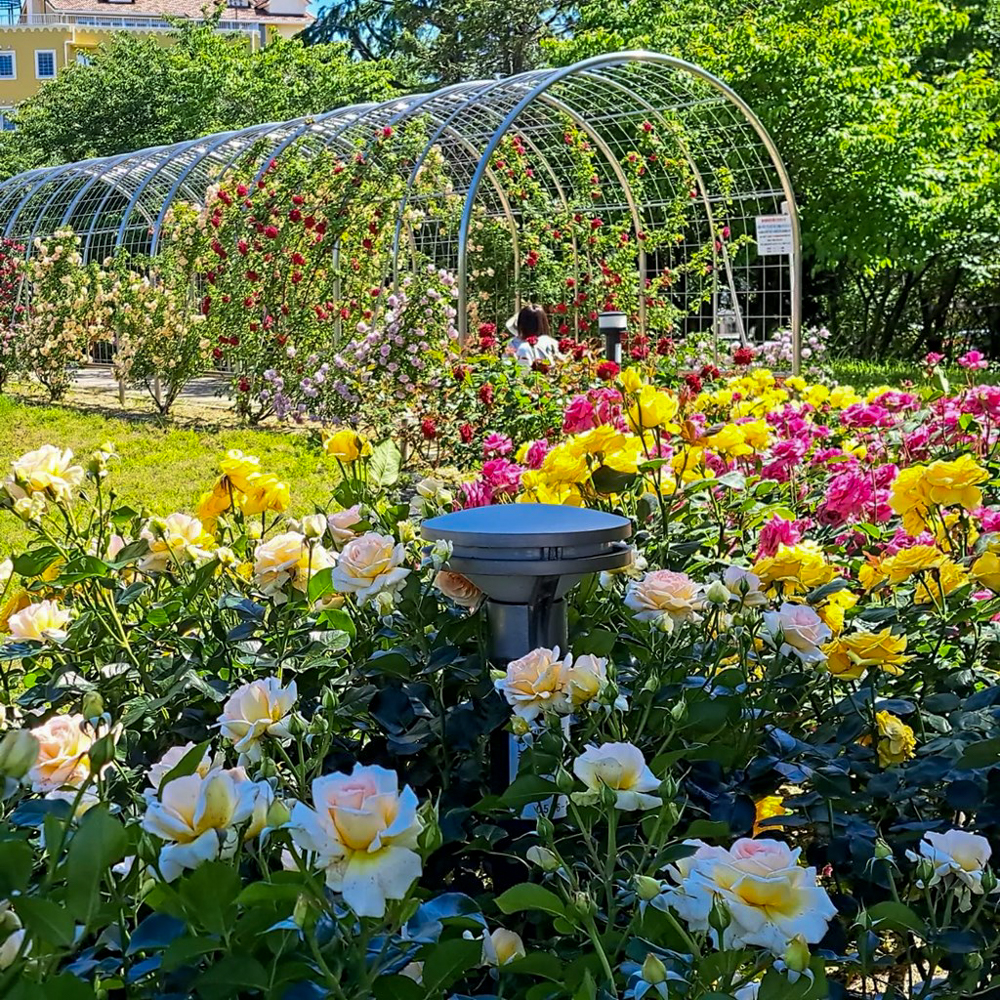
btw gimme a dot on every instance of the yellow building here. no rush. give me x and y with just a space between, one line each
40 37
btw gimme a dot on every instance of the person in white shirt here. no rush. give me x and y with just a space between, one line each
530 338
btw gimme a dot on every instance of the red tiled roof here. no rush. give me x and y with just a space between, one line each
174 8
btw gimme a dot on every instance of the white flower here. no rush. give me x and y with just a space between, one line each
586 679
288 560
196 815
502 947
459 588
363 831
38 622
770 897
744 586
620 767
62 753
665 594
341 523
13 935
801 629
174 540
257 709
6 572
314 525
536 683
46 470
172 758
748 992
964 855
369 565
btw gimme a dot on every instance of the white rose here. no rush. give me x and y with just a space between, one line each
12 934
363 831
369 565
341 523
287 560
620 767
260 708
314 525
665 593
536 683
46 470
801 629
62 753
6 572
586 679
172 758
744 586
196 816
459 588
502 947
770 897
956 852
39 622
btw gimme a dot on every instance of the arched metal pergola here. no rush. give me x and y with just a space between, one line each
122 202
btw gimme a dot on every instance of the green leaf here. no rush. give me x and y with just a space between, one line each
231 976
35 561
384 463
209 894
269 892
81 568
448 962
45 921
607 480
527 788
130 553
99 842
339 620
898 916
188 764
184 949
529 896
16 862
538 963
397 988
985 753
321 584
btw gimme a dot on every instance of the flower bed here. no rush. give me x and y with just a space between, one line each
246 755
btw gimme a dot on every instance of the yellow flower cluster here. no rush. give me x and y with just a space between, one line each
243 487
793 569
849 656
896 742
939 574
920 491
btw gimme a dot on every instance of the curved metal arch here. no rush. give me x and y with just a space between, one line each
624 58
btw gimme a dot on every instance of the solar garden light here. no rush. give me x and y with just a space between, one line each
613 325
526 558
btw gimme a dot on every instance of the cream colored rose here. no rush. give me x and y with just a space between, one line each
172 758
173 541
370 565
620 767
6 572
586 679
255 710
288 560
458 588
363 832
536 683
744 586
771 898
197 815
502 947
801 630
665 593
63 746
40 622
46 470
955 853
341 523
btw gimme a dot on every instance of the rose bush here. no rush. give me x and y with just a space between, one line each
250 754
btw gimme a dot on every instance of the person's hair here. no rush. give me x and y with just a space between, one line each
532 322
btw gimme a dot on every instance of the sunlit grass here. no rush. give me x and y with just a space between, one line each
163 466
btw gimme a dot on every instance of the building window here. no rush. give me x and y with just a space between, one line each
8 66
82 59
6 124
45 64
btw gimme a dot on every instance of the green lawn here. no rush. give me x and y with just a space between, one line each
163 465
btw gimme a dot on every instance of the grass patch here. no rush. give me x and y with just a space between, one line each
868 374
163 466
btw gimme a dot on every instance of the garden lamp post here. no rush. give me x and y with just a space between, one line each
526 558
613 325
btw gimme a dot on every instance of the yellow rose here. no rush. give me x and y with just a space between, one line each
757 434
916 559
794 569
346 444
729 440
956 483
596 441
850 655
237 468
768 808
265 492
835 608
948 577
896 742
627 457
986 570
630 380
562 465
871 573
652 408
214 503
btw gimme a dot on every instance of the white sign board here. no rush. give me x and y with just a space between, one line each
774 235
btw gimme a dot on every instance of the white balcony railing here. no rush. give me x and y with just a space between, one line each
134 22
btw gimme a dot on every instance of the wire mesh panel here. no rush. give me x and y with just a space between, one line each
530 175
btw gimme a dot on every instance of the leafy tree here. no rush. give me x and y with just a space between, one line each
137 92
886 113
446 41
